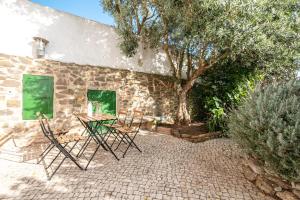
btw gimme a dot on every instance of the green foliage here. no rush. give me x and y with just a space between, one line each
267 125
213 105
221 89
197 35
129 44
266 31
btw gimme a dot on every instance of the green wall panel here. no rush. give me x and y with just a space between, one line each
37 96
106 99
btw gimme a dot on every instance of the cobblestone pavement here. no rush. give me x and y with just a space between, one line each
168 168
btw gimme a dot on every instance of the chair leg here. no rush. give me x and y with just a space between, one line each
50 177
99 142
128 144
55 158
107 146
83 132
117 138
108 135
130 141
45 153
84 146
112 144
67 154
92 157
122 139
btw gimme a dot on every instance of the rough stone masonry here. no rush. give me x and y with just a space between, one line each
150 92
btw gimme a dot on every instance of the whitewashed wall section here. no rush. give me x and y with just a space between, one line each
72 39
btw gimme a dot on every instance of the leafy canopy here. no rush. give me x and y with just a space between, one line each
198 33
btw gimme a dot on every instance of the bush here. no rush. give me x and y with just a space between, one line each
216 111
220 89
267 125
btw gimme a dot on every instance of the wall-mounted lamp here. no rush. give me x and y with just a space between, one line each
39 47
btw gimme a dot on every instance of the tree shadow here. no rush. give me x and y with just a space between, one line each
30 187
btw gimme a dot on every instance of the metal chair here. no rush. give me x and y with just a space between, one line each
56 132
121 119
129 132
61 142
120 122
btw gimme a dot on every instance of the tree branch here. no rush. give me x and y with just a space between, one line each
189 65
180 63
201 69
167 51
166 47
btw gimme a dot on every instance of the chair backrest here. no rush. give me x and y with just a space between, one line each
137 119
44 124
79 117
82 120
122 117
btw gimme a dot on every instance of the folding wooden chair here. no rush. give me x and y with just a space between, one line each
128 133
61 142
120 122
121 119
56 132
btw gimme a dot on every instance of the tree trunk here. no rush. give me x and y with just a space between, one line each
182 117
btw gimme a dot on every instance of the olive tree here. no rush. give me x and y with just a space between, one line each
198 34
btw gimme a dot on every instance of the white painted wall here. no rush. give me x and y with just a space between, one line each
72 39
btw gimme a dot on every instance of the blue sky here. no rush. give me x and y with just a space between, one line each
90 9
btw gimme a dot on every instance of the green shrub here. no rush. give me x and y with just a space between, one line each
217 113
267 125
220 89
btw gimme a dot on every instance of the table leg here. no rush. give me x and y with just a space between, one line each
103 141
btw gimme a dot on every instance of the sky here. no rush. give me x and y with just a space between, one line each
90 9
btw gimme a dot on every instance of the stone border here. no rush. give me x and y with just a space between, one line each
192 138
196 138
164 130
269 183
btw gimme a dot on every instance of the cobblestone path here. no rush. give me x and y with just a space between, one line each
168 168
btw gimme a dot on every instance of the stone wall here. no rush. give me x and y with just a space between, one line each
151 93
269 182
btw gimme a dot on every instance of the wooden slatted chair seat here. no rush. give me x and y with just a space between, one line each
123 129
62 139
132 129
114 125
60 131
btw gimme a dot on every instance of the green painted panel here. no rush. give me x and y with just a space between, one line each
37 96
106 100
